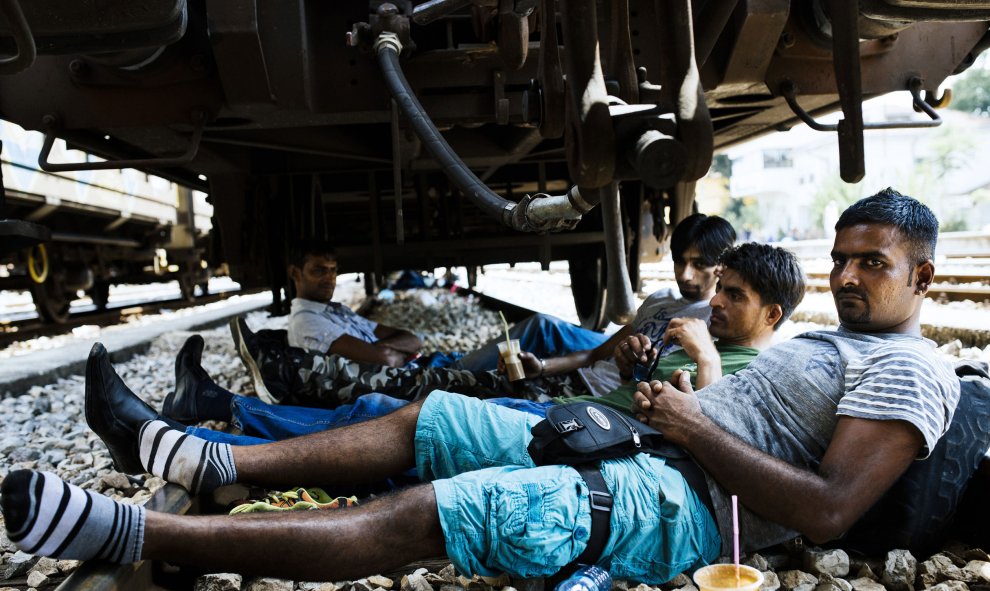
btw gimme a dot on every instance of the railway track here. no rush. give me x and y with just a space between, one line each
954 287
20 330
971 285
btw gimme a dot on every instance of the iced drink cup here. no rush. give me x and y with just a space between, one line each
510 356
719 577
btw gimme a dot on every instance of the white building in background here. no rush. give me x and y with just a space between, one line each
783 172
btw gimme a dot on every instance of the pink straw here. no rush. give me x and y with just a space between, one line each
735 535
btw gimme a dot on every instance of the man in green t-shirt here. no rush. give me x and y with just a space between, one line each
758 288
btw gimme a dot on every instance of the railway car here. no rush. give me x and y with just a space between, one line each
462 132
102 227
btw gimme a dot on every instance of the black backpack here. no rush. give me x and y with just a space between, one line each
917 512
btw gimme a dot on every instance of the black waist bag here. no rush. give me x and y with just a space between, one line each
582 432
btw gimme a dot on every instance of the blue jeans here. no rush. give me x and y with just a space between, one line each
540 334
264 423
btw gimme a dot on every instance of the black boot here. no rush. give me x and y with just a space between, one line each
261 353
114 412
196 397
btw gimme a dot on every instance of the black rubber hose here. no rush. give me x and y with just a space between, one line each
436 145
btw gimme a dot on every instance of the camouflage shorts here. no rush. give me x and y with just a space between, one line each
331 380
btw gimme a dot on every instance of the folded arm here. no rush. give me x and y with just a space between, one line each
398 339
358 350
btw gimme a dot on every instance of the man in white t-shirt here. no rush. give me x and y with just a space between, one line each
318 324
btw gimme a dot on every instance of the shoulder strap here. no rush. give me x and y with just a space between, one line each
601 512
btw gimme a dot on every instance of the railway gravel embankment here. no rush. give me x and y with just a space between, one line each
43 428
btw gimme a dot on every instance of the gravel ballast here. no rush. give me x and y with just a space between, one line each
44 429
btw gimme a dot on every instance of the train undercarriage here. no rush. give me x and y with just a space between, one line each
462 132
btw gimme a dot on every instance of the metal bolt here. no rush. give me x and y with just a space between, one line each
786 40
49 120
78 67
388 9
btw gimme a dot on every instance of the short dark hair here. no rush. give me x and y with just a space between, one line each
301 250
773 273
709 234
912 218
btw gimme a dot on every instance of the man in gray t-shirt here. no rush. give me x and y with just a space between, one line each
816 429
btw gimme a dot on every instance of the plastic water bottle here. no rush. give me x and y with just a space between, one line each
586 578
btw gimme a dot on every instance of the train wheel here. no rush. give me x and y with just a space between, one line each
588 289
51 300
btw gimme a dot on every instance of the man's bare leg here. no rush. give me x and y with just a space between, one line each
308 545
364 452
48 517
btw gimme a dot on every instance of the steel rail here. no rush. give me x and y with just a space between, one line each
29 329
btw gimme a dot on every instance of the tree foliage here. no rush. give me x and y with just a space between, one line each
971 92
744 215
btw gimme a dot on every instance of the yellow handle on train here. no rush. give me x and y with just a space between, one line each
36 275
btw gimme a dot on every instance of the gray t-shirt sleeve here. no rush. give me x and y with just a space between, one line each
888 385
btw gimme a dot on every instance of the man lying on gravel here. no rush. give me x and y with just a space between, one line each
809 436
759 286
308 378
322 327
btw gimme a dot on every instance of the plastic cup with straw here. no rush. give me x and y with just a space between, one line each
509 351
738 577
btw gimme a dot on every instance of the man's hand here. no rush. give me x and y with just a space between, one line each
393 357
631 350
674 411
693 336
531 364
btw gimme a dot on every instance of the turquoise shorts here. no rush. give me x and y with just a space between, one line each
502 514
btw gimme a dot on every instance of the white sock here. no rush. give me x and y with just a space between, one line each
48 517
196 464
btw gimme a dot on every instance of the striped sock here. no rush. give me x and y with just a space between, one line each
48 517
196 464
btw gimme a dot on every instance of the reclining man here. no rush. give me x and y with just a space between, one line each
809 436
759 286
325 327
309 378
